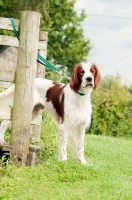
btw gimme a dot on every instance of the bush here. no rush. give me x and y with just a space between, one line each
112 109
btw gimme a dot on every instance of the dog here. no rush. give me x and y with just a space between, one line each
68 104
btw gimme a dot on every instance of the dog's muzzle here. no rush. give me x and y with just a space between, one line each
89 81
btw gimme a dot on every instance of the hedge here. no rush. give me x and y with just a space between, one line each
112 109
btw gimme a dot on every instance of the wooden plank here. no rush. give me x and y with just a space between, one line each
8 76
5 113
33 155
9 41
4 84
42 45
34 148
36 129
5 23
13 41
43 35
41 68
6 147
25 78
35 133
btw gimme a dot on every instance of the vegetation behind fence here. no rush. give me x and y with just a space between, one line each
112 109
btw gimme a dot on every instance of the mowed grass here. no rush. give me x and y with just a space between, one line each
107 177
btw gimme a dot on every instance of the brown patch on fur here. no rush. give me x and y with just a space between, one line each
38 107
76 78
36 110
56 96
97 77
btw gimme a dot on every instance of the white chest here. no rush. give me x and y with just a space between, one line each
77 113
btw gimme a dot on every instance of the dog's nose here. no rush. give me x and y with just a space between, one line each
89 78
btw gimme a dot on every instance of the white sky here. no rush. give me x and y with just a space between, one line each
111 37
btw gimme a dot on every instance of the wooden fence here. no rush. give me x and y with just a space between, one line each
31 42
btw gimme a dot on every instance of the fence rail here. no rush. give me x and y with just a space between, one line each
14 42
5 23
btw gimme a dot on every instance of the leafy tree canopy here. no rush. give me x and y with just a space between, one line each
66 40
13 8
67 45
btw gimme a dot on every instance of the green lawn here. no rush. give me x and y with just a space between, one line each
108 177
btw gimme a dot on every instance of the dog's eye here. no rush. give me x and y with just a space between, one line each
92 71
82 72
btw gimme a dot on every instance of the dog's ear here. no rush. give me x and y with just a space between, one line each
96 73
76 78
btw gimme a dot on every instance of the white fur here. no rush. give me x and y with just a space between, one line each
3 127
77 112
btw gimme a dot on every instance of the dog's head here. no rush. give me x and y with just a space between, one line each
85 76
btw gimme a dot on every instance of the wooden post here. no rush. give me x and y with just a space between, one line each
36 125
25 76
43 37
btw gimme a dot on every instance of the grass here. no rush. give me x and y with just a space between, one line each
107 177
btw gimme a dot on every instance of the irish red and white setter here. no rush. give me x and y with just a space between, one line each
69 105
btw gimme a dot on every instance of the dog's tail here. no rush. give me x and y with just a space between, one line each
7 97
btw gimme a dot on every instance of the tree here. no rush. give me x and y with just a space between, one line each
13 8
67 45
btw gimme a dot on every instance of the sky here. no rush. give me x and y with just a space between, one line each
109 27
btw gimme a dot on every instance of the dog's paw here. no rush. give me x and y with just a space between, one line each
62 158
82 161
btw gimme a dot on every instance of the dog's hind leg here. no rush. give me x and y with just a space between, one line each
6 100
7 97
3 127
62 154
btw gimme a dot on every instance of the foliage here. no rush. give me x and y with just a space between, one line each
13 8
4 159
66 43
112 109
108 177
66 40
130 89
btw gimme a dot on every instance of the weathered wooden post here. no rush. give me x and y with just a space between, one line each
25 76
36 125
43 37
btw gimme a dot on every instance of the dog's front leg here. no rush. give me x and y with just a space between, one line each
79 146
62 154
